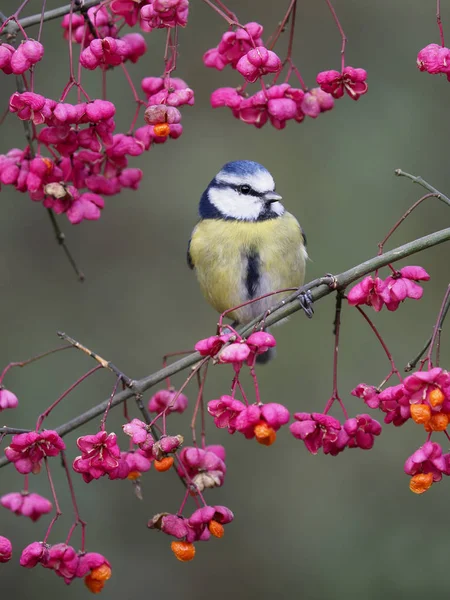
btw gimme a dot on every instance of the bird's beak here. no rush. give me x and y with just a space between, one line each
270 197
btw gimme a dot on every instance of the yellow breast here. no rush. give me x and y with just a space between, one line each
220 252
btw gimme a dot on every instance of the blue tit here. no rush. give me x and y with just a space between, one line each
246 244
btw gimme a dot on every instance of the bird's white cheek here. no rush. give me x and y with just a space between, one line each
277 208
232 204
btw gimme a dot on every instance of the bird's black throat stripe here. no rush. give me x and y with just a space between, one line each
253 273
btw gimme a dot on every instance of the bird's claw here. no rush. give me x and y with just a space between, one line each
307 303
333 283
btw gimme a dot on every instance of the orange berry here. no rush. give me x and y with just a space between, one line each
101 573
161 129
264 434
427 427
93 585
421 413
133 475
216 529
421 482
95 581
184 551
164 464
439 422
436 397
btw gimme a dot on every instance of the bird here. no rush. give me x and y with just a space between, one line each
245 243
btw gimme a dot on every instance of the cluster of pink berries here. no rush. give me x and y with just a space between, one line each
423 397
27 450
17 61
86 158
69 564
245 52
149 14
200 526
91 157
390 292
26 504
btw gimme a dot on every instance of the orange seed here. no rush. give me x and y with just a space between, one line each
421 482
184 551
161 129
439 422
93 585
133 475
421 413
436 397
264 434
216 529
164 464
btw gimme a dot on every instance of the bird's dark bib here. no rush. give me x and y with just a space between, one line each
253 273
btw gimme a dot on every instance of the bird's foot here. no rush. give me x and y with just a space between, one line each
307 303
331 281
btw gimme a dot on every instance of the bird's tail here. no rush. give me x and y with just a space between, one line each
263 359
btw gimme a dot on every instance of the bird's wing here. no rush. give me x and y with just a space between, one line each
304 236
190 262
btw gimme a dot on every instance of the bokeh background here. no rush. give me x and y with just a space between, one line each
311 527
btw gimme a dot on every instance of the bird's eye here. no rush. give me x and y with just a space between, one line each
244 189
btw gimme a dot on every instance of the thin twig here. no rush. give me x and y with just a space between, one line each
424 184
49 15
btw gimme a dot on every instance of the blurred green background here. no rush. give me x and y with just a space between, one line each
311 527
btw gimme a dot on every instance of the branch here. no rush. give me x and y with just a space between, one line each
78 6
282 310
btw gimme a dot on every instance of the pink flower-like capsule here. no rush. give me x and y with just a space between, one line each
88 206
206 468
128 9
361 430
262 421
368 291
368 393
27 450
26 505
6 52
430 387
7 399
351 80
258 62
27 54
403 284
167 444
233 45
33 554
28 106
211 346
169 401
130 178
428 459
63 560
100 455
174 525
395 403
206 521
261 341
158 14
434 59
226 96
104 52
317 431
316 101
225 412
5 549
173 91
135 46
235 353
139 433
